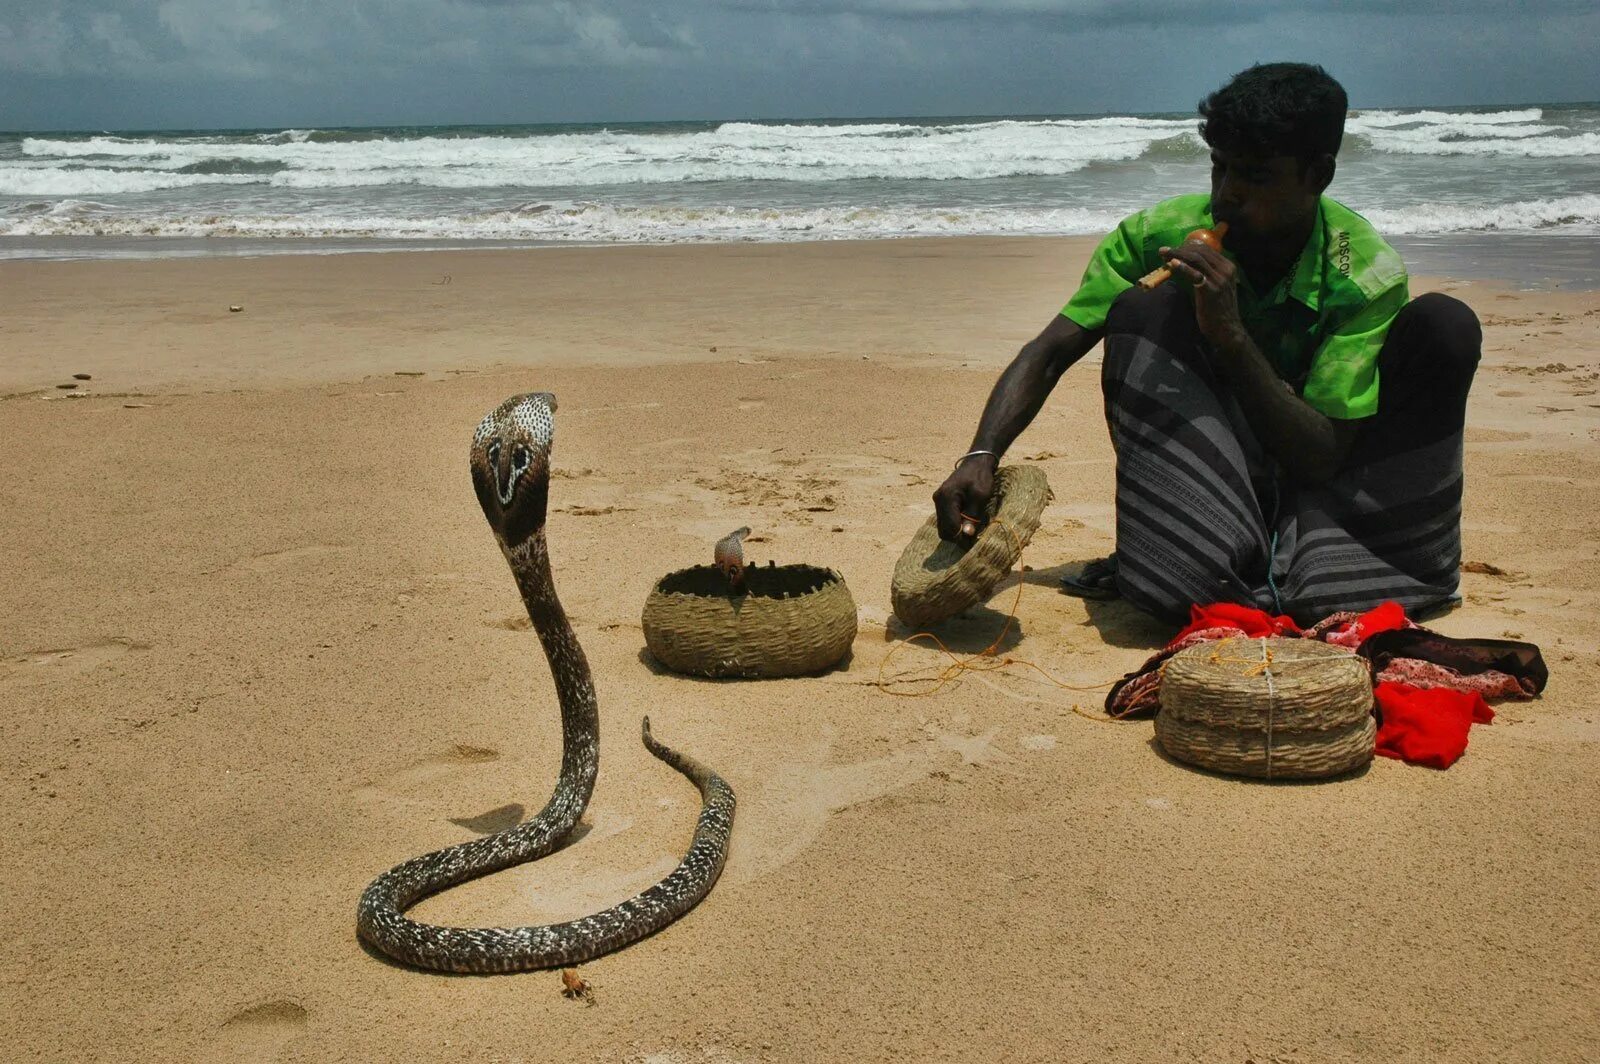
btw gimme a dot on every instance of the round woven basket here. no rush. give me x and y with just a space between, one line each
935 579
1268 708
791 620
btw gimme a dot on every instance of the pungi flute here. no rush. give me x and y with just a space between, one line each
1210 237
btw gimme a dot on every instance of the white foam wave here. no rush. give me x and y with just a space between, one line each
1529 142
734 151
20 181
731 152
603 223
588 223
1522 133
1375 119
1571 213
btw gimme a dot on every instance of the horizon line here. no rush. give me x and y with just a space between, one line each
770 120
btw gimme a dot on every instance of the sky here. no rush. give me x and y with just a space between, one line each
191 64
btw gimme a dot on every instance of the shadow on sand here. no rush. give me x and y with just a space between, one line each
970 632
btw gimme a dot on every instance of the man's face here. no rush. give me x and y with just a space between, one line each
1262 198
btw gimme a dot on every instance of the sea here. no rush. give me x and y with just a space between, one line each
1445 177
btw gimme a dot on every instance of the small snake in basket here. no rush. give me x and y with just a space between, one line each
729 556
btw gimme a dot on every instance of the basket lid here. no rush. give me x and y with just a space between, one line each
935 578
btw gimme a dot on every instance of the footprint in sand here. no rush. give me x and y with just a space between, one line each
278 560
76 660
422 781
258 1033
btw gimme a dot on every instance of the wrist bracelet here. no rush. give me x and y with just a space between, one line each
974 454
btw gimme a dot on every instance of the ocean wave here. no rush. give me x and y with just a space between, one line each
605 223
1376 119
733 151
589 223
16 181
1444 142
728 152
1575 213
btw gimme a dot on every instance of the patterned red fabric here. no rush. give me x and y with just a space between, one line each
1350 630
1427 675
1427 726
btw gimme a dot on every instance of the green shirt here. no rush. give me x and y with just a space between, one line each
1321 326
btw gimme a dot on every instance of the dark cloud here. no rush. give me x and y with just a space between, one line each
103 63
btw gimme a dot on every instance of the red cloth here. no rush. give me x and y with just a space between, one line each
1427 726
1249 620
1352 633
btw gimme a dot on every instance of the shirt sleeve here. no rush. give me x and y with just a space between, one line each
1343 382
1113 269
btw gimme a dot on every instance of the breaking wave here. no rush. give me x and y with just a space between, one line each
1412 171
603 223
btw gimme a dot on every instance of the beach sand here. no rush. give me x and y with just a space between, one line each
257 645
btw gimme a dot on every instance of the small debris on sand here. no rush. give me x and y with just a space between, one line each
573 986
1488 569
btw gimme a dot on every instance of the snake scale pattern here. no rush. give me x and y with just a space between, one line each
511 474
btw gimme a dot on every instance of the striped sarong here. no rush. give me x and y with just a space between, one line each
1203 514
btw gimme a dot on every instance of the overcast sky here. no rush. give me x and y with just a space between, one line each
126 64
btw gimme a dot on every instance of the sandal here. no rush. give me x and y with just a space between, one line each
1096 580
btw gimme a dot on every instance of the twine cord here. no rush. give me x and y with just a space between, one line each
1272 698
985 660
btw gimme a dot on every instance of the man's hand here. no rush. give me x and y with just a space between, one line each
1215 280
965 491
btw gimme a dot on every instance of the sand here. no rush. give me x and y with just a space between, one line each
257 645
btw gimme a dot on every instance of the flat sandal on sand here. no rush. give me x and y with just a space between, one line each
1096 580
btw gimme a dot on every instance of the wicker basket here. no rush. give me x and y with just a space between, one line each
1269 708
935 579
792 620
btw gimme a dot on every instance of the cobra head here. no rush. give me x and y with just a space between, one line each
511 465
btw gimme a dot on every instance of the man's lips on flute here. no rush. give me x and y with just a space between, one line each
1238 232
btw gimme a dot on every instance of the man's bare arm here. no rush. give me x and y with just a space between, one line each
1013 403
1028 381
1309 445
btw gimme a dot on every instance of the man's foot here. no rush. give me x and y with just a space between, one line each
1096 580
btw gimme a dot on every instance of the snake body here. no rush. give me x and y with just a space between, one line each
510 462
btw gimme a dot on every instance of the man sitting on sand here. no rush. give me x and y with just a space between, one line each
1287 425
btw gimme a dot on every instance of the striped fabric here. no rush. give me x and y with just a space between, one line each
1202 516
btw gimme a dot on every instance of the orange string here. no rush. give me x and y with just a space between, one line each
986 660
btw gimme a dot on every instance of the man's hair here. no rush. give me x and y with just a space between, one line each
1277 109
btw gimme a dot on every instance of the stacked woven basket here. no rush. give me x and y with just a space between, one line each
1268 708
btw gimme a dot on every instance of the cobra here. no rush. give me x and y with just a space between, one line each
510 462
